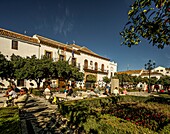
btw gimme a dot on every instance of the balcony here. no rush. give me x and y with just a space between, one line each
94 70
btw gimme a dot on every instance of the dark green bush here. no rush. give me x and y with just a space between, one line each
9 121
37 92
85 113
165 130
107 124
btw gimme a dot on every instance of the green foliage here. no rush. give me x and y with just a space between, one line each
148 19
125 78
106 79
107 124
123 114
68 72
32 68
134 80
141 115
165 130
4 65
9 121
37 92
165 80
17 62
36 69
153 80
91 78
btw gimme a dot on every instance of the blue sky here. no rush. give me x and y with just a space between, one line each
92 23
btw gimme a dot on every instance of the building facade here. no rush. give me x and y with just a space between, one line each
157 72
86 60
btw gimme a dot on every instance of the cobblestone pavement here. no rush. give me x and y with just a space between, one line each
41 117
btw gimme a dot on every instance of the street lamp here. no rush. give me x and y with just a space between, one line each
149 66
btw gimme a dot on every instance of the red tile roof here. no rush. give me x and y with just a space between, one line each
130 72
87 51
14 35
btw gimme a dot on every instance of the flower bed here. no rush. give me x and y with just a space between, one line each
140 115
142 112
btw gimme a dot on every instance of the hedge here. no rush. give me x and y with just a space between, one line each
9 121
80 113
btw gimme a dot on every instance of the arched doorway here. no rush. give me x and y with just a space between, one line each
86 64
96 66
90 81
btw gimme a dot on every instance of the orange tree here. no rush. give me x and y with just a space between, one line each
4 65
148 19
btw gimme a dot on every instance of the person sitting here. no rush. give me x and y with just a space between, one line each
125 92
66 89
107 91
92 93
15 88
47 92
116 91
96 90
21 100
70 91
11 95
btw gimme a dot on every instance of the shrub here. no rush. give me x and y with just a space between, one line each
106 124
165 130
37 92
9 121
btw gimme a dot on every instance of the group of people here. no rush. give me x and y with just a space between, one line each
68 90
115 91
49 96
108 92
15 96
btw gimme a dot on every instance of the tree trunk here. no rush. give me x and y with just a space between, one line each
38 83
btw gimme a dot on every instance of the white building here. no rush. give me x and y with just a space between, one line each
162 70
89 62
157 72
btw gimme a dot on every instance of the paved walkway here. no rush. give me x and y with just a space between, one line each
139 93
42 117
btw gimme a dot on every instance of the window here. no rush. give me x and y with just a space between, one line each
161 70
48 54
74 61
79 65
91 62
86 64
96 66
61 57
20 82
102 67
111 75
14 44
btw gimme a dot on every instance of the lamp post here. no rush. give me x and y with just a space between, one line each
149 66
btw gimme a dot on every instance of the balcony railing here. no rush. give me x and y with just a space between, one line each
94 70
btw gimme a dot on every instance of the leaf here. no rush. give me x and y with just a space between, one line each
127 23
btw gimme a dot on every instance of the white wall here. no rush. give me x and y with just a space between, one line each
161 70
24 49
